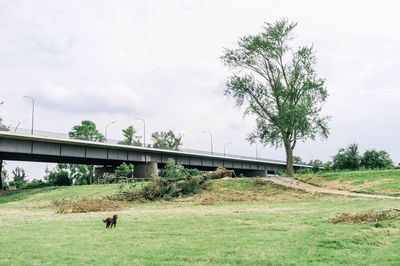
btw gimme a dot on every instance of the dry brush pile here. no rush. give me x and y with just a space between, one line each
87 205
366 217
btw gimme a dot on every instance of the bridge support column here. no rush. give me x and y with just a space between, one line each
145 170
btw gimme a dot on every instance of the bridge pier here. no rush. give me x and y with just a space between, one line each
145 170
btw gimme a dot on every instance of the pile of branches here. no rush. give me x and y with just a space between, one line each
366 217
174 181
164 188
220 172
87 205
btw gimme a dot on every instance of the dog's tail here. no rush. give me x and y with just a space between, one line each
105 220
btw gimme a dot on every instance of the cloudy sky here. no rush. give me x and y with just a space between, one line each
159 60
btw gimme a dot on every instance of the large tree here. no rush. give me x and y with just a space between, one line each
86 131
166 140
279 86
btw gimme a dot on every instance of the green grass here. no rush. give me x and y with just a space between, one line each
10 196
277 232
384 182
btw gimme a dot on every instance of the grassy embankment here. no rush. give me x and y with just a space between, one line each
235 222
382 182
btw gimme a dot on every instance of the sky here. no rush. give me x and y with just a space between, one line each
160 60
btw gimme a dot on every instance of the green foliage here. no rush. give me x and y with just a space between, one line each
304 171
373 159
166 140
124 170
86 131
328 166
297 160
3 127
16 195
19 177
347 159
317 165
173 171
78 174
281 89
130 137
60 178
35 184
194 172
3 175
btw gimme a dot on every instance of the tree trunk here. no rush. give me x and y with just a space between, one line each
1 173
289 160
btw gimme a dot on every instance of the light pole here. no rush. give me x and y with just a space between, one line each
19 123
105 131
226 144
33 111
211 138
144 130
256 150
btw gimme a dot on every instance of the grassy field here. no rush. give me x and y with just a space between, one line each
384 182
234 222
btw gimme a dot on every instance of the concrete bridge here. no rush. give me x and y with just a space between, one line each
24 147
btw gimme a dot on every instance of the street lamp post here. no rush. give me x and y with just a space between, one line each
144 130
19 123
105 131
33 111
226 144
256 150
211 138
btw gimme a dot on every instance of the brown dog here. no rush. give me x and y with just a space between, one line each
111 221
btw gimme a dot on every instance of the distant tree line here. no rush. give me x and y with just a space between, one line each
349 158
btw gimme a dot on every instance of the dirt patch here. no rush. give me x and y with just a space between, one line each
240 196
293 183
87 205
349 186
366 217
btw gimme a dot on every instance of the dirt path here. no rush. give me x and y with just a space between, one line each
293 183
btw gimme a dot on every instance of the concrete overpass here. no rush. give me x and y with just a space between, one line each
24 147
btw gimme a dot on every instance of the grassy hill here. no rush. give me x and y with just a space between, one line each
233 222
384 182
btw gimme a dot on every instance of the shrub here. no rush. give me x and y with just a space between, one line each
123 170
373 159
347 159
35 184
317 165
59 178
304 171
173 171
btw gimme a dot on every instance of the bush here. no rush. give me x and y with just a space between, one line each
35 184
317 165
347 159
373 159
173 171
59 178
303 171
123 170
